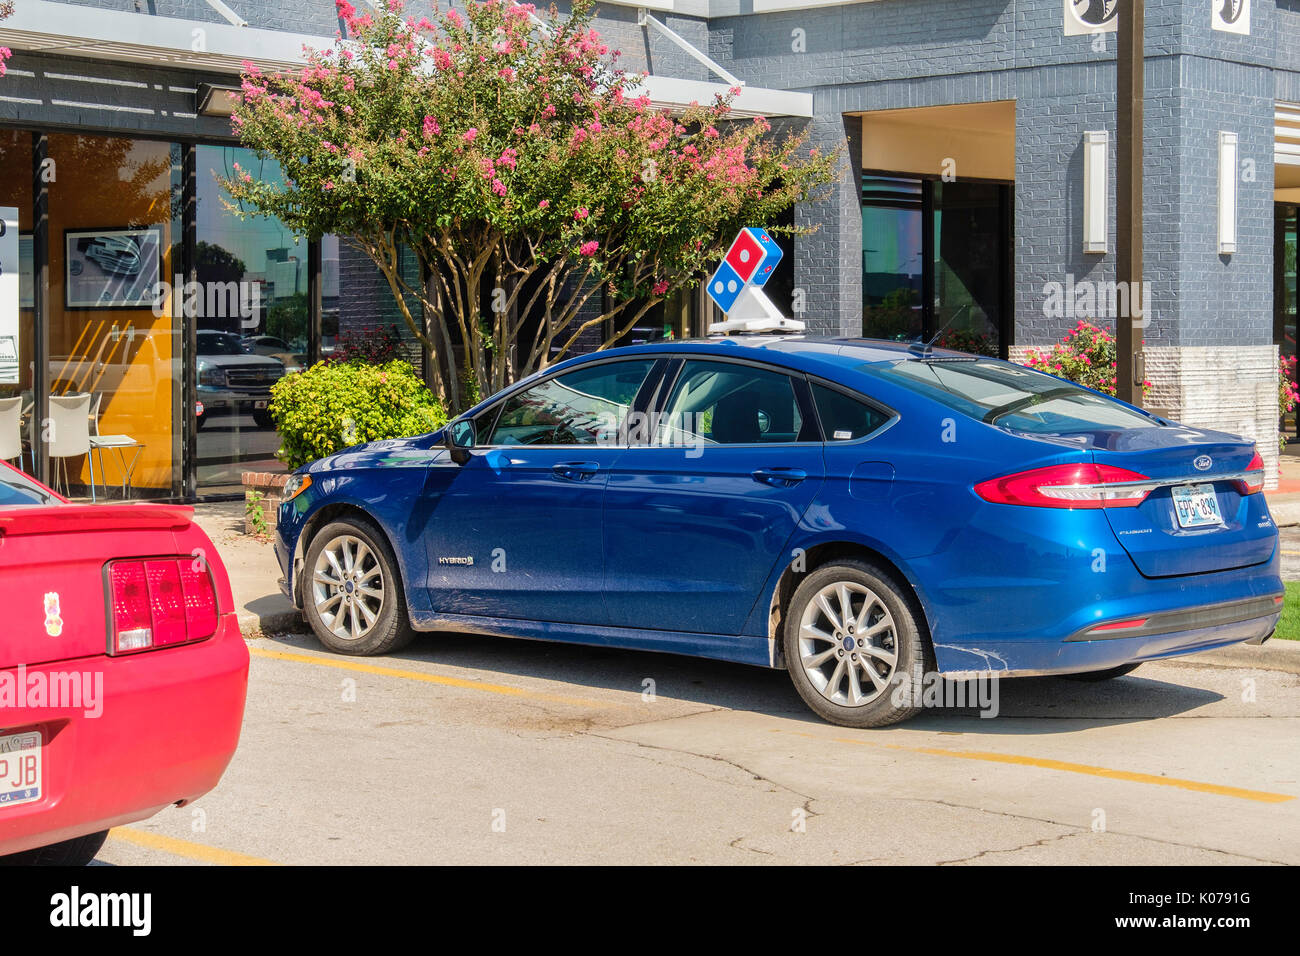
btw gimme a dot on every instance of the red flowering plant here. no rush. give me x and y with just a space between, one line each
6 8
1086 355
1288 394
509 153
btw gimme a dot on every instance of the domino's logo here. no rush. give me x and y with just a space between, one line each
750 261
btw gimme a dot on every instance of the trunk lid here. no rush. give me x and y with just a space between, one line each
52 584
1191 459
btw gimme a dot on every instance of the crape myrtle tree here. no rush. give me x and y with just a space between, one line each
6 8
520 166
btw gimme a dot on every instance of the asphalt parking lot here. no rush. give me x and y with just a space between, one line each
480 750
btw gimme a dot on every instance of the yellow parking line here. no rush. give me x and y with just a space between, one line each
191 851
357 666
1292 553
1260 796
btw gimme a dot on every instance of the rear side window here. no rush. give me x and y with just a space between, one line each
844 417
724 403
1011 396
583 407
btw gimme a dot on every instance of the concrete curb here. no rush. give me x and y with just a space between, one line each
274 622
1274 656
1286 513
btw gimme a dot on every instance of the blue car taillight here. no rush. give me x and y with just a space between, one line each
1084 485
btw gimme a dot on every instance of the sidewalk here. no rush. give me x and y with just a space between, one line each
1284 502
254 572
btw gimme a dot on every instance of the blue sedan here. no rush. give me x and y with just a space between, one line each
860 513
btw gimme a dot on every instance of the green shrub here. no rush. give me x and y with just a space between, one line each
335 405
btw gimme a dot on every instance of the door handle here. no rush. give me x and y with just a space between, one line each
780 477
575 470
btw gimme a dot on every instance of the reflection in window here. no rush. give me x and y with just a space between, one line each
584 407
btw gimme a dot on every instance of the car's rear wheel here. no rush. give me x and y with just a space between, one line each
79 851
1109 673
352 594
852 634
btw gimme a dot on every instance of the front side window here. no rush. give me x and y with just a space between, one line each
587 406
724 403
1011 396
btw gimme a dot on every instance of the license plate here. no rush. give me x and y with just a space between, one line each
259 405
1196 506
20 769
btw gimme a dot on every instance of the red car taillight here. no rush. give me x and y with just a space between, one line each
1068 486
1253 483
160 602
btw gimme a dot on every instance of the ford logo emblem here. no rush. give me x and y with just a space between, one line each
1203 462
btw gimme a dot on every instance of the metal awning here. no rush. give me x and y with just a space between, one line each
41 26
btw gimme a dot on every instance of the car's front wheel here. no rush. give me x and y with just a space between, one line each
853 641
351 591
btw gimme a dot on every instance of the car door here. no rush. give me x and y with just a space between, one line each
515 531
695 521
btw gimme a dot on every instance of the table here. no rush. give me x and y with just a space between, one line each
120 444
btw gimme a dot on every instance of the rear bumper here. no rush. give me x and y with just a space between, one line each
164 732
1082 653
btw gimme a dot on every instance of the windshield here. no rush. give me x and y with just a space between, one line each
16 489
219 344
1011 396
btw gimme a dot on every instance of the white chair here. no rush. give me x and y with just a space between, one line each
70 433
11 429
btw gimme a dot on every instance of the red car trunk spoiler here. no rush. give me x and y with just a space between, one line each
70 518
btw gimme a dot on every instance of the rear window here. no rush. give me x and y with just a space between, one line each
1011 396
16 490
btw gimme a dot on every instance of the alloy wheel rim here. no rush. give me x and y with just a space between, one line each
348 587
848 644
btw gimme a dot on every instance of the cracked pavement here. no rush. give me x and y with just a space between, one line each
563 756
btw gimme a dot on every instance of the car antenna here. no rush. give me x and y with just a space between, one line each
924 349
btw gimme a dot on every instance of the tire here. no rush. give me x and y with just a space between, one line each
346 619
262 418
200 421
76 852
1092 677
876 599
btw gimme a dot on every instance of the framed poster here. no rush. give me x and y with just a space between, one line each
111 268
9 272
1230 16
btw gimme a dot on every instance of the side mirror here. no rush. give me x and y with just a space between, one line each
459 437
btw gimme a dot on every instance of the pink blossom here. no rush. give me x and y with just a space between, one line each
442 59
660 287
431 127
470 134
580 213
543 204
589 248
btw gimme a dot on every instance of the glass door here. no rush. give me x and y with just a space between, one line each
937 261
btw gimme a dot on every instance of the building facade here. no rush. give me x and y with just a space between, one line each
975 202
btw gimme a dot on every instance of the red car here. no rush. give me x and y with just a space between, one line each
122 669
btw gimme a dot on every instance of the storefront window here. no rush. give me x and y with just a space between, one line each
253 327
891 258
114 342
16 296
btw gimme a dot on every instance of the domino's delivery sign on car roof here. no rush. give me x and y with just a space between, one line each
736 286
